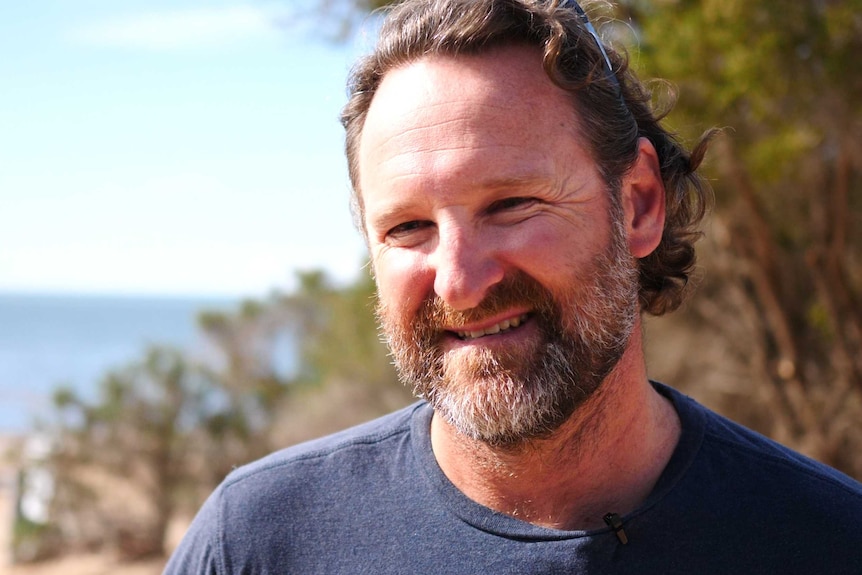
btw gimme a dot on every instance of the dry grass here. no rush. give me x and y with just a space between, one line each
77 564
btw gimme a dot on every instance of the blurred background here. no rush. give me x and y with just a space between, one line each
182 289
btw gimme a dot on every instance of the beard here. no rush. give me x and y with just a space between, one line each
526 391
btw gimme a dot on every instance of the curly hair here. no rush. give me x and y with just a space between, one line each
612 104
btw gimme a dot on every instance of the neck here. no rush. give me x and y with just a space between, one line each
606 458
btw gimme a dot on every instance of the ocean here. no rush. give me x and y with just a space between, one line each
52 340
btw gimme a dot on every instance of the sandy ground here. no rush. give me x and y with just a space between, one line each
90 564
85 565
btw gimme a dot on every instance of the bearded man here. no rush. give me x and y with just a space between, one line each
523 208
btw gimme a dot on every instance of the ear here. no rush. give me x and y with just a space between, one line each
643 201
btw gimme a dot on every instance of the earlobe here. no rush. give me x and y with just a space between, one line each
643 197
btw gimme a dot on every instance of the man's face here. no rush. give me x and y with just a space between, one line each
505 287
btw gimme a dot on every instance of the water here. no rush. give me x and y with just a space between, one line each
49 340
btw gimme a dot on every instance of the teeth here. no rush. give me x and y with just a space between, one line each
494 329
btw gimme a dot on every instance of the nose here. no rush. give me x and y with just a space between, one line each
465 267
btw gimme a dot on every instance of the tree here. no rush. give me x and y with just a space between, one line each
310 361
124 462
164 431
786 298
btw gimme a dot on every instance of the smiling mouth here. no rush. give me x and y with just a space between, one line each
503 326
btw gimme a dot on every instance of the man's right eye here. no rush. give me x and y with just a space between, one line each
407 228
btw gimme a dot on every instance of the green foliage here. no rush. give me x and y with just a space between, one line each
785 81
162 427
340 338
24 530
29 540
328 333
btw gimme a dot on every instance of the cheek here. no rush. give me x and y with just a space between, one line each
549 252
403 281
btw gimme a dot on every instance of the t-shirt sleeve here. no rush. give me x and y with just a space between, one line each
199 551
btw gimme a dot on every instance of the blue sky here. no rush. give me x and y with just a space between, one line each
182 147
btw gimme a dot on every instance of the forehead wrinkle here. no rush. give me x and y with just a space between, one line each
464 124
463 110
435 162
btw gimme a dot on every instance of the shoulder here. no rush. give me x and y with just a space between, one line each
725 445
362 439
740 473
325 461
262 511
735 495
777 464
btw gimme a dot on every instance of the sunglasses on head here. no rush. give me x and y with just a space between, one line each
609 70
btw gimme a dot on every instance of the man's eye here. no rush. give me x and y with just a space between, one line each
511 203
407 228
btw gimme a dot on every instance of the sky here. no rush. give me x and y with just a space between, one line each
182 147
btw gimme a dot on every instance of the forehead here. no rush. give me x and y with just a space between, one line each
439 109
510 78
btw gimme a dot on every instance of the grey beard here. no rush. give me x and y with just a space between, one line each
505 399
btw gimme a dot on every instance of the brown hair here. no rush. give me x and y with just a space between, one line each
613 107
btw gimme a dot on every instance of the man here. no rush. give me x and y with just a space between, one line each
523 208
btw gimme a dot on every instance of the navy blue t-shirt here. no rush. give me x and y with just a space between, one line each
373 500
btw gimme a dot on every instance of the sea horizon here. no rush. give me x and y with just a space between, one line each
52 338
126 294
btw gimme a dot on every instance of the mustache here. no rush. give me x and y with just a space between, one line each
515 290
